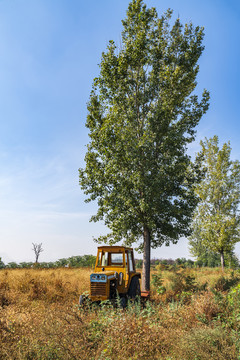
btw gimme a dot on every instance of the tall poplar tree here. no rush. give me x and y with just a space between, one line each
216 220
141 117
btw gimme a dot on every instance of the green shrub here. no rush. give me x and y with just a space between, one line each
157 283
224 283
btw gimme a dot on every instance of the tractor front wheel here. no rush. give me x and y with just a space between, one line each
123 302
82 300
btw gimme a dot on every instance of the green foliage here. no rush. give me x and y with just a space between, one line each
157 282
234 300
138 263
179 287
231 260
180 282
216 220
81 261
204 256
12 265
26 265
61 263
232 318
184 262
208 258
142 114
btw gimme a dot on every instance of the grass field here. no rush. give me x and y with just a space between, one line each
193 314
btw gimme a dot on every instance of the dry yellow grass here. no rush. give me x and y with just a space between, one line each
40 319
19 286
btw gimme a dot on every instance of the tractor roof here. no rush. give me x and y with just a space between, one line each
114 248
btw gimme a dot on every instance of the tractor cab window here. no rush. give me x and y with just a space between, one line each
105 259
130 261
99 258
116 259
126 260
109 258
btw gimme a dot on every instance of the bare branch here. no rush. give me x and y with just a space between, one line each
37 248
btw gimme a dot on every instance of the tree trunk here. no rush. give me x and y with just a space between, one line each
146 260
222 259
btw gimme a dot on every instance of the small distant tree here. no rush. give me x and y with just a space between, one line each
216 221
202 254
25 265
138 263
37 248
12 265
189 263
181 261
61 262
88 260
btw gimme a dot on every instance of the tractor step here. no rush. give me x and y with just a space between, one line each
145 294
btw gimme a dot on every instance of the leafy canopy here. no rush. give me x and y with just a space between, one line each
141 117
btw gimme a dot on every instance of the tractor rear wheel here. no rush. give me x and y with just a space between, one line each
134 288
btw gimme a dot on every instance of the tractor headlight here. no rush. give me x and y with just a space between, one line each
98 278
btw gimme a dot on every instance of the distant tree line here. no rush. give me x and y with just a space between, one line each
208 259
73 262
205 259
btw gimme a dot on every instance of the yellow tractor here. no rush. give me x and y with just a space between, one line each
114 276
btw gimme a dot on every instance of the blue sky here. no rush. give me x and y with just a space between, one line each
49 55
